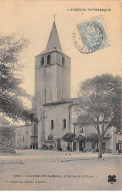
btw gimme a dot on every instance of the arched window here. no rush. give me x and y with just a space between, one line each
42 61
48 59
63 60
52 124
64 123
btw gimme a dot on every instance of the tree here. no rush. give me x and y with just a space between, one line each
69 137
100 103
81 139
93 138
10 91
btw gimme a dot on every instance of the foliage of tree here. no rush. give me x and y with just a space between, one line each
93 138
69 137
10 91
100 102
81 138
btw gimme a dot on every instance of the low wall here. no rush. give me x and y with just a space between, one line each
7 140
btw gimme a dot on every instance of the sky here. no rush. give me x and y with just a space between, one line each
34 19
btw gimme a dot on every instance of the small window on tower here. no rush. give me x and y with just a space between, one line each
64 123
42 61
48 59
63 60
52 124
81 131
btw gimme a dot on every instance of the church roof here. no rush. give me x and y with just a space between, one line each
46 52
53 41
63 101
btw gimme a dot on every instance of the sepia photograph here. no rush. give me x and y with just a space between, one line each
60 95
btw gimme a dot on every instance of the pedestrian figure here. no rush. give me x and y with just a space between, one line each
68 149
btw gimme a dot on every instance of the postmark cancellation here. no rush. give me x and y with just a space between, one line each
90 36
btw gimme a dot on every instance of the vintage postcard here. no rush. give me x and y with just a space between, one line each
60 95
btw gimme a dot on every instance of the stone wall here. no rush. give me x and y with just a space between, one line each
23 136
7 140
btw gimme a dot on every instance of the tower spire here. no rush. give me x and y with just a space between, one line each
53 41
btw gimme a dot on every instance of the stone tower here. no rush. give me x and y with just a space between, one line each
52 78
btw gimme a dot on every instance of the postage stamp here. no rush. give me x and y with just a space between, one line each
90 36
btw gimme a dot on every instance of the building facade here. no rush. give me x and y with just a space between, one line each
112 142
26 137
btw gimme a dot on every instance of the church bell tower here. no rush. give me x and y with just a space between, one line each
52 79
52 71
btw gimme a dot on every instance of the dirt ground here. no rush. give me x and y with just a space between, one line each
53 170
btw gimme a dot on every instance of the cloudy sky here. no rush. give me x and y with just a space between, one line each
33 20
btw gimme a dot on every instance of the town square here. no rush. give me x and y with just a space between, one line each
52 170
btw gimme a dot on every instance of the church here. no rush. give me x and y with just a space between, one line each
52 101
53 105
